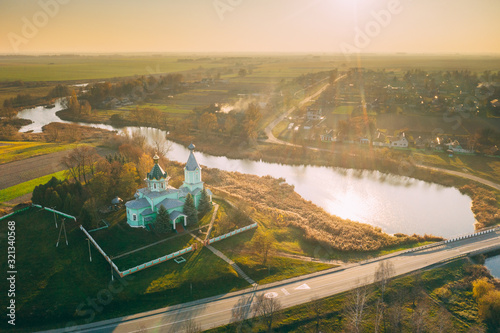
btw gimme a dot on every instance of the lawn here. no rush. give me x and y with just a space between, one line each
27 187
19 150
53 282
239 249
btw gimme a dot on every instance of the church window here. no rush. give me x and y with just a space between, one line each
154 186
134 217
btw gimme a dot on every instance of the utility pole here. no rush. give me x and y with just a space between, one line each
90 253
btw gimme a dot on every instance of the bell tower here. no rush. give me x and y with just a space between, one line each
192 172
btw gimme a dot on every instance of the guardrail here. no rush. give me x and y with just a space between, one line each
462 237
232 233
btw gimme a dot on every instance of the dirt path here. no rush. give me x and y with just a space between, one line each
17 172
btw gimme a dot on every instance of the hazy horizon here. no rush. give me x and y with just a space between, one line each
242 27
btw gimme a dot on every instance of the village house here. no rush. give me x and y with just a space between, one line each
314 114
158 192
400 141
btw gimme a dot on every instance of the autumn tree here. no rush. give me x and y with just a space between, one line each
208 123
251 121
127 180
263 244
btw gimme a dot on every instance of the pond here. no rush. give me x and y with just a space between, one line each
396 204
493 264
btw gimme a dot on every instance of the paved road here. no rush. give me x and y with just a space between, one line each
269 129
465 175
217 311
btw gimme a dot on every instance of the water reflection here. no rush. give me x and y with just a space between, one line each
393 203
493 264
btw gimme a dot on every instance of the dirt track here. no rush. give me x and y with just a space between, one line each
17 172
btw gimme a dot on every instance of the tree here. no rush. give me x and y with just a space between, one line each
204 206
208 123
127 180
55 200
190 210
251 122
384 272
80 162
267 309
317 307
73 104
162 222
263 243
242 72
355 309
481 287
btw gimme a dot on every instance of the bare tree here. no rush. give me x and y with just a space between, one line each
396 311
80 162
383 274
267 309
355 309
420 316
442 322
378 315
191 326
160 143
241 312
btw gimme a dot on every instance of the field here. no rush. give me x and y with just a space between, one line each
14 151
27 187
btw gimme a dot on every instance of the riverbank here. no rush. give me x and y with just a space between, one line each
344 156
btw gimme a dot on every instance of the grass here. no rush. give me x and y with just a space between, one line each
27 187
67 67
18 150
239 249
343 109
481 166
461 310
55 281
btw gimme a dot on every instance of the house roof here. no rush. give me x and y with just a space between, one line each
208 191
175 214
137 204
192 164
147 211
171 203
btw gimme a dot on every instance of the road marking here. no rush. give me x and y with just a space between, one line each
271 295
285 291
303 286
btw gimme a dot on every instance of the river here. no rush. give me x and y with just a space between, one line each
396 204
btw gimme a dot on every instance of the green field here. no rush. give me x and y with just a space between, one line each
19 150
27 187
56 280
67 67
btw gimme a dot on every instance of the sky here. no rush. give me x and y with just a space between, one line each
242 26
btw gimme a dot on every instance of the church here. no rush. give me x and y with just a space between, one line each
158 192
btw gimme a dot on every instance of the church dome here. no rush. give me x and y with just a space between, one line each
156 172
